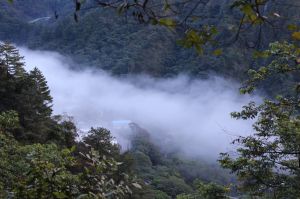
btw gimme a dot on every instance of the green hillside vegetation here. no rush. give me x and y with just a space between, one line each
104 39
41 158
121 45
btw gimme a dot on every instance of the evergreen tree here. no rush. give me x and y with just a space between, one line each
26 93
11 71
63 131
11 63
43 92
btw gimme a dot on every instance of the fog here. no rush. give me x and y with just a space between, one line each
190 115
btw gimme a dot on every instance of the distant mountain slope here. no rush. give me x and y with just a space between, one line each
105 40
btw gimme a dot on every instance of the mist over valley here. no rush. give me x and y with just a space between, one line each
180 113
149 99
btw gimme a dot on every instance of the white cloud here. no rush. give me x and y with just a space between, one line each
193 115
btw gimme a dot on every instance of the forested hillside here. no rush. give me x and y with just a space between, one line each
121 45
37 145
251 41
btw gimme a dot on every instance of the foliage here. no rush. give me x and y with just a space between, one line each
173 174
217 26
137 48
268 161
35 171
45 171
211 190
63 131
198 38
101 140
98 179
26 93
206 191
49 163
8 121
172 185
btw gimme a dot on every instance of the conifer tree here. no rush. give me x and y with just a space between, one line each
11 72
43 92
26 93
11 63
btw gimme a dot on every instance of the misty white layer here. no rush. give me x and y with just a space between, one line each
191 115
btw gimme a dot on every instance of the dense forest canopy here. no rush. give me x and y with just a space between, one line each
252 41
42 149
157 50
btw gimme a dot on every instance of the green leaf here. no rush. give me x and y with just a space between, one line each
60 195
167 22
296 35
214 30
260 54
218 52
247 10
292 27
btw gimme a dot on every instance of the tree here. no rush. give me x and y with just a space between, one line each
172 185
268 161
63 131
25 93
43 92
206 191
8 121
11 63
34 105
211 190
11 72
192 19
98 178
48 171
148 193
102 141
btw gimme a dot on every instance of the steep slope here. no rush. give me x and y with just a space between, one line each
122 46
103 39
